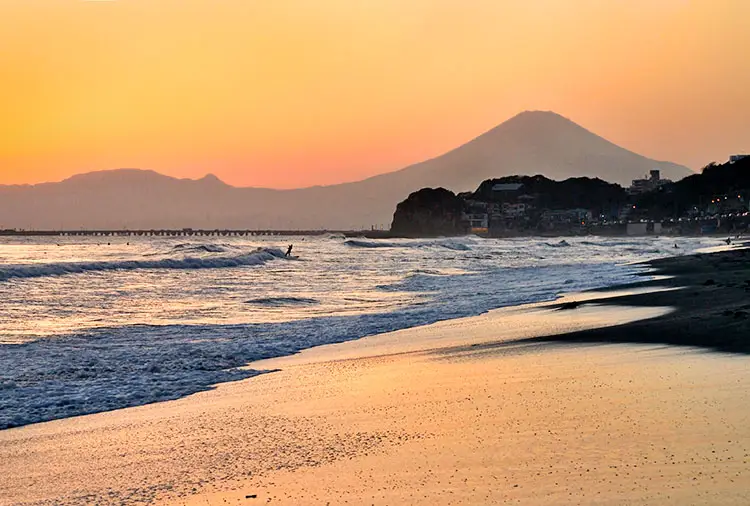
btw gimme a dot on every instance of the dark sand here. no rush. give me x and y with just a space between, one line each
711 301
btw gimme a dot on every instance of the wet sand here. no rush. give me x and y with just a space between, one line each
712 305
470 411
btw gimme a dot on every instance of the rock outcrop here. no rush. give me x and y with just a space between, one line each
429 212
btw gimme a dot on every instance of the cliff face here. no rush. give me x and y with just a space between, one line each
429 212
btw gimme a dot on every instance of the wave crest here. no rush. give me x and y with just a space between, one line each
200 248
447 243
281 301
257 257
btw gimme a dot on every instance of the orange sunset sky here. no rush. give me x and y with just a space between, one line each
290 93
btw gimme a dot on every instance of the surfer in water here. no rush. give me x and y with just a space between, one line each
289 250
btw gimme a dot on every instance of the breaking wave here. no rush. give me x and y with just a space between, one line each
117 367
201 248
607 244
257 257
281 301
448 244
188 248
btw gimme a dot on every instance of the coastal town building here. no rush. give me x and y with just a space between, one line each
652 182
495 210
478 222
737 158
476 206
514 210
566 216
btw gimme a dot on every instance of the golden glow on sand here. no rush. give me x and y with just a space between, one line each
301 92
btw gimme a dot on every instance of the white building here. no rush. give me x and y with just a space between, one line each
652 182
477 221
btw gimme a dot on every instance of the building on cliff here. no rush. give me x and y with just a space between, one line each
650 183
478 222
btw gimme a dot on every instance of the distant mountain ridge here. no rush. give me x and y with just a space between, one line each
529 143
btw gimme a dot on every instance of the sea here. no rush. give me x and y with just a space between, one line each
90 324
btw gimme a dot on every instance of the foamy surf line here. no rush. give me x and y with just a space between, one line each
117 367
257 257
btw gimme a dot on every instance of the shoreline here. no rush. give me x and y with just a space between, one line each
711 294
232 322
467 411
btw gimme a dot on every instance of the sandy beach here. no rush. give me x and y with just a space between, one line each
580 401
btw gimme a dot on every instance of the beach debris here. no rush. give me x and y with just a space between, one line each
251 496
709 282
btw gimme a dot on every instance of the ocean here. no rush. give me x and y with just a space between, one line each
100 323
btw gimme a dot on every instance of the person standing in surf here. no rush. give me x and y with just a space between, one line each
289 250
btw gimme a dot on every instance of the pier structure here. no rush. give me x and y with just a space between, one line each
185 232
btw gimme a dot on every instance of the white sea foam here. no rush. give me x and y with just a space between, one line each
207 248
561 244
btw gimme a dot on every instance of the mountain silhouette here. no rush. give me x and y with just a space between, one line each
530 143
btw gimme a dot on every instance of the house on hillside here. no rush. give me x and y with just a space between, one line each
478 222
514 209
652 182
506 191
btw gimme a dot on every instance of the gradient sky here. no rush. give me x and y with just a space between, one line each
289 93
